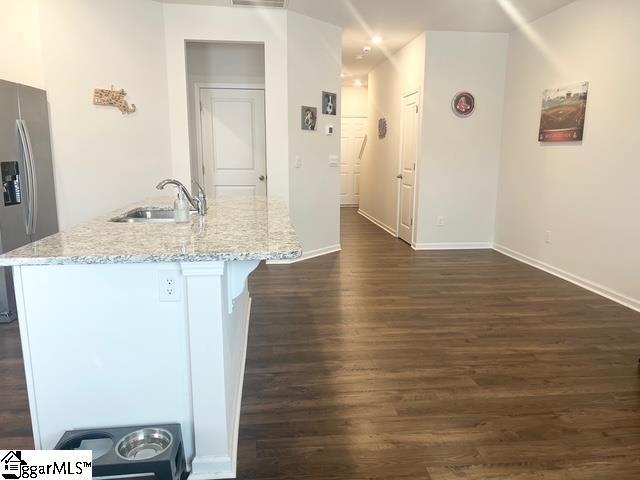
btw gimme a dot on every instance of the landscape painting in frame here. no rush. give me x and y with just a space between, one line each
563 113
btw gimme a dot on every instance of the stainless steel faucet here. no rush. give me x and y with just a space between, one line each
199 202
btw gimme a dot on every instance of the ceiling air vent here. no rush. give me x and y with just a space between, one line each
260 3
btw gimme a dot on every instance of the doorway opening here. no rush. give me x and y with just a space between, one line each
353 143
227 124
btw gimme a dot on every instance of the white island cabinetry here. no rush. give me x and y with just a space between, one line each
131 324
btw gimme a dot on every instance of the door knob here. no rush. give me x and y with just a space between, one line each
399 176
261 178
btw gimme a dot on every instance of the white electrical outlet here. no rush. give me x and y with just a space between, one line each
440 221
547 236
169 287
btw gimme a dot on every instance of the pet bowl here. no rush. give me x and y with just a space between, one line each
144 444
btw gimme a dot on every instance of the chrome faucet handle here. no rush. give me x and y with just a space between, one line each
201 198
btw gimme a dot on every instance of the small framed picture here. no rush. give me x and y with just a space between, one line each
309 118
329 103
463 104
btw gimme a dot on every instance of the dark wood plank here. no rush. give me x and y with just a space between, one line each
15 421
384 363
381 362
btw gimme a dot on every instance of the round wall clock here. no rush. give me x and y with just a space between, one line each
463 104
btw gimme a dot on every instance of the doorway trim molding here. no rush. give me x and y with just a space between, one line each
198 86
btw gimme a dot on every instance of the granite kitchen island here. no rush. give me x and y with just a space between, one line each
146 323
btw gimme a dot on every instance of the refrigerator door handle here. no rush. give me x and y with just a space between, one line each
26 149
34 181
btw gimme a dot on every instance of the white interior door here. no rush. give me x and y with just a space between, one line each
353 143
233 141
408 160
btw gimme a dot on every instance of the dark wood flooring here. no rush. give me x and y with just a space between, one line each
384 363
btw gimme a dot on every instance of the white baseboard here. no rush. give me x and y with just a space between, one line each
453 246
307 255
617 297
377 222
224 472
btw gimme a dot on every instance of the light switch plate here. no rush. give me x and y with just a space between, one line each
333 160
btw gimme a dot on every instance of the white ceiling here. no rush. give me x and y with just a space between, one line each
400 21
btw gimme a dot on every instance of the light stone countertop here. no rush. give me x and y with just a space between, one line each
233 229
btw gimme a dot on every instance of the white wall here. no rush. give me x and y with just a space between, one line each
222 24
102 159
20 54
314 63
355 101
388 83
585 193
458 173
225 62
220 63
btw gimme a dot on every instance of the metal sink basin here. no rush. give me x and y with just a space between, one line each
147 215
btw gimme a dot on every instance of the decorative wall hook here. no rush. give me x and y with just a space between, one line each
113 98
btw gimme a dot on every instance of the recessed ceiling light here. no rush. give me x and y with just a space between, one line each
366 50
377 39
342 75
358 83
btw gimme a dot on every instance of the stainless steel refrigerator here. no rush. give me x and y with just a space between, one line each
28 204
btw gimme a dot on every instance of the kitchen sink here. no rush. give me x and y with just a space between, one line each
147 215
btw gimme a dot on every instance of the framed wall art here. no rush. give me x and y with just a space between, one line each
329 103
309 118
563 113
